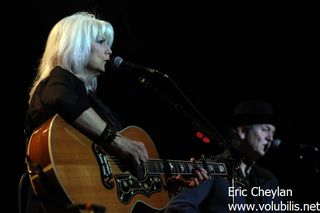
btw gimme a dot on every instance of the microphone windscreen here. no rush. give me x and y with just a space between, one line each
116 63
276 143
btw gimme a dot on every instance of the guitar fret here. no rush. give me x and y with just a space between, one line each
187 168
217 168
175 168
182 167
153 167
172 167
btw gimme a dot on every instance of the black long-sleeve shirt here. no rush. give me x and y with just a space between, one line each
65 94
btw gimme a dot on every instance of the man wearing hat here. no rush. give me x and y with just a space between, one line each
248 187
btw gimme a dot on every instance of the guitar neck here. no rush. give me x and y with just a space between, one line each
175 167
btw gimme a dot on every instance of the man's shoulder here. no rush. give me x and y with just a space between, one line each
264 173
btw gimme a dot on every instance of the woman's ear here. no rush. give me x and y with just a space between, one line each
241 131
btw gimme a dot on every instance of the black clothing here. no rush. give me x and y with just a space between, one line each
64 94
214 195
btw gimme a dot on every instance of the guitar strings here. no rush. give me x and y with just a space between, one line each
174 166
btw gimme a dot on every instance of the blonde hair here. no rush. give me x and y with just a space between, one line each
69 45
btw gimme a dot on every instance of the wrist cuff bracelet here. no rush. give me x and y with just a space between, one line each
107 136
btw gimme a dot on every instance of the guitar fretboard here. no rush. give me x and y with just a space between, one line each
183 167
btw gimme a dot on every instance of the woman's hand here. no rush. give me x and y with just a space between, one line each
127 150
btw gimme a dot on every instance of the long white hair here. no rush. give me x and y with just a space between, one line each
69 45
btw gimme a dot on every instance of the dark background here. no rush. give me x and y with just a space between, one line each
218 53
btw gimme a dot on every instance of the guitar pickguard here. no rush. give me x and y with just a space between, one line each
128 186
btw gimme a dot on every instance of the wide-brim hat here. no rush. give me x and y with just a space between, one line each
254 112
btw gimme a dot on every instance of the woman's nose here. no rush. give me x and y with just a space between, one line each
108 50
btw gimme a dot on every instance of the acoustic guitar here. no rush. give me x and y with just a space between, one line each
69 171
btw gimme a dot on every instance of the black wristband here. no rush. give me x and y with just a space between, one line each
107 136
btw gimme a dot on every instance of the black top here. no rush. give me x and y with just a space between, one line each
65 94
217 195
213 196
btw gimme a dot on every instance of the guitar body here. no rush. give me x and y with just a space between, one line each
69 169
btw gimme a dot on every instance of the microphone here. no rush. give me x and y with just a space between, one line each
118 63
276 143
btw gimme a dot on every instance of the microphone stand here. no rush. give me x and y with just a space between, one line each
198 122
195 121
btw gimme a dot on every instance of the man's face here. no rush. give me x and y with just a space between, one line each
257 139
